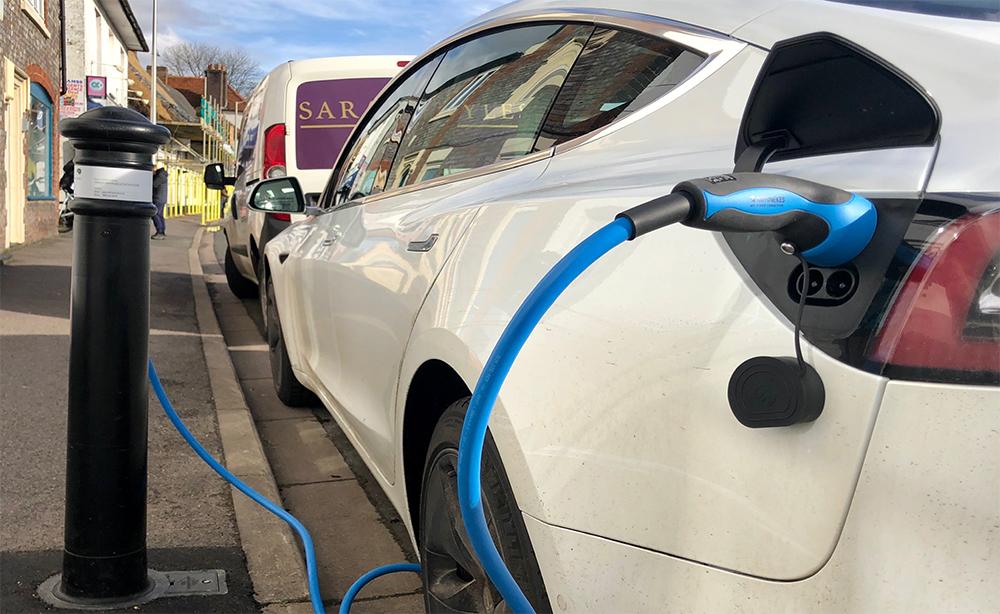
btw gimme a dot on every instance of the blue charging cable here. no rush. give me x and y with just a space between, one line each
477 418
378 572
277 510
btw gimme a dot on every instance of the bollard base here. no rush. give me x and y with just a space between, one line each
51 593
197 583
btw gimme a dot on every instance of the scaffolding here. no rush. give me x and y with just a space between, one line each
187 194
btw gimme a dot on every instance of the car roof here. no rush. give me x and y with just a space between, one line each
352 62
956 61
723 16
731 16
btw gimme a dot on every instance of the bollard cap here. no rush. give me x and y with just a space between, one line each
113 152
111 126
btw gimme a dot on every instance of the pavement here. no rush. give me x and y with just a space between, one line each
191 522
320 477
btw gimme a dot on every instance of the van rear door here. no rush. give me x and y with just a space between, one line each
324 100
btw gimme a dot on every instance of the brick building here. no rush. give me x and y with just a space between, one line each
31 79
213 86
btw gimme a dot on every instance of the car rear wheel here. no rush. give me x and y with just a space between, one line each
288 388
453 579
240 286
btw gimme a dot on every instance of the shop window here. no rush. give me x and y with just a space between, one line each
39 169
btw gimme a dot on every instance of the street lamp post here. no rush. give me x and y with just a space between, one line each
153 78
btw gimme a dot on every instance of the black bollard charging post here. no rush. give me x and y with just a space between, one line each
104 559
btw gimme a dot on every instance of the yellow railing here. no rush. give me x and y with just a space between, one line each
188 195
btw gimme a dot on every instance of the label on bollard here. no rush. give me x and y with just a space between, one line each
112 183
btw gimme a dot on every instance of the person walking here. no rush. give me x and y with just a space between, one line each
66 185
160 200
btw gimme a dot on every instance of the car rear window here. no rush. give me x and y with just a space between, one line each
617 73
487 100
325 113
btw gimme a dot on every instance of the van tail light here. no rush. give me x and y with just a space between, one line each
402 63
274 152
282 217
946 315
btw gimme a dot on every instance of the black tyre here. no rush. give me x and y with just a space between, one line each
453 579
241 286
290 391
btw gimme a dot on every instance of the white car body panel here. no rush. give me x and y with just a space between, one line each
933 51
614 425
674 373
930 471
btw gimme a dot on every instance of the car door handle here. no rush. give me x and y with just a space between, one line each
422 246
333 237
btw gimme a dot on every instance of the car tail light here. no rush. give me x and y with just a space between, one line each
282 217
402 63
946 314
274 152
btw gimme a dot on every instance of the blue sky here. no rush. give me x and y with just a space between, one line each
274 31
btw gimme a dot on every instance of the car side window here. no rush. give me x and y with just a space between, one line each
367 165
617 73
487 101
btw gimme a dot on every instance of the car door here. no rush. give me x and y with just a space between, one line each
407 198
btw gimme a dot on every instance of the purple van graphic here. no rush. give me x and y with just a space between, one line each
325 114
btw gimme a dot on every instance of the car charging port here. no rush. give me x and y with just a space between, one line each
827 287
840 284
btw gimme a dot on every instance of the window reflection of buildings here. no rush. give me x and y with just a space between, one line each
489 117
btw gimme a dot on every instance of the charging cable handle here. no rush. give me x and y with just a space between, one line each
827 225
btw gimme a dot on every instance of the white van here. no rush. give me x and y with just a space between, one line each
296 122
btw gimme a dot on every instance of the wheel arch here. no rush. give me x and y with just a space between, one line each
435 386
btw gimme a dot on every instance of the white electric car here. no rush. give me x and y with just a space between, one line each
619 478
295 123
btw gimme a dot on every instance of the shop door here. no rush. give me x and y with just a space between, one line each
16 94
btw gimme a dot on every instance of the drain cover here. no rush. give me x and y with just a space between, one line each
198 582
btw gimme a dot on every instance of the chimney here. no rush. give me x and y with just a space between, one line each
161 72
216 87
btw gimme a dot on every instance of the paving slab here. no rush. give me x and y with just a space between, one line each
300 452
244 335
252 364
403 604
238 325
350 539
259 394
